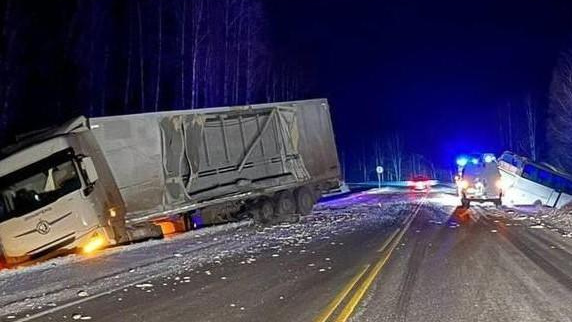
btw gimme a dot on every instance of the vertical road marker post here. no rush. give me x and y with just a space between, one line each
379 170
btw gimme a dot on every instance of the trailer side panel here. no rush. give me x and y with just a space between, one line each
169 160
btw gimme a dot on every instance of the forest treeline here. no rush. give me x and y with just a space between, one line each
60 59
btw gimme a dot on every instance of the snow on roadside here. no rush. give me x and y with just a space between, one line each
559 220
61 280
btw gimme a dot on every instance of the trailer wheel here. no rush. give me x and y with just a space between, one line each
304 201
264 212
284 203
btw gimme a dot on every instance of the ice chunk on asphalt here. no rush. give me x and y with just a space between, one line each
144 285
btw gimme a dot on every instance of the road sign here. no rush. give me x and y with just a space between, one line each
379 170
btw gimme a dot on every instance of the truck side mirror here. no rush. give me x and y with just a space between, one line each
89 168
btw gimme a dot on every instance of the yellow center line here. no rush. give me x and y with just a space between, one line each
356 298
391 242
340 297
388 240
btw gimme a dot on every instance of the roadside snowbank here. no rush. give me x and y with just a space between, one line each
559 220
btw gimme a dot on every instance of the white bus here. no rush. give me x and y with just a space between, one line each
529 183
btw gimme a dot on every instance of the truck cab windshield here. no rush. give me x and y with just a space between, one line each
37 185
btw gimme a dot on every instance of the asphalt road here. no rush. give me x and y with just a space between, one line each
433 264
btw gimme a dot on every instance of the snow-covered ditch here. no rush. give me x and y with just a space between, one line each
559 220
55 282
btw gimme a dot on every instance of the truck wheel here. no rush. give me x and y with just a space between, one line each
284 203
264 212
304 201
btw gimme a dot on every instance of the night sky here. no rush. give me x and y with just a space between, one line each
434 71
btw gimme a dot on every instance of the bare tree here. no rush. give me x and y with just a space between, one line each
364 162
395 149
199 35
160 54
6 79
559 137
238 54
532 124
127 92
141 58
250 67
104 86
92 58
506 126
343 165
227 44
379 156
182 51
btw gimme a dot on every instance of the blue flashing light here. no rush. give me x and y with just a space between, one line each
489 158
462 161
475 161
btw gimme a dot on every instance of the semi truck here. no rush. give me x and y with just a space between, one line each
105 181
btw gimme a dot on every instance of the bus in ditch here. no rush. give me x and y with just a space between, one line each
526 182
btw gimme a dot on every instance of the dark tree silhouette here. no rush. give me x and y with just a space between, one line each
103 57
559 136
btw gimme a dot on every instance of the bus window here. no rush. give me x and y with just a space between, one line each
567 186
557 182
530 172
545 178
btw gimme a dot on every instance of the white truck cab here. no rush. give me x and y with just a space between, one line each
52 198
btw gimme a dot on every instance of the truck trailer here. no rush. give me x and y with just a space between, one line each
99 182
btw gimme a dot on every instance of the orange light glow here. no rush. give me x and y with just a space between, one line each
96 242
167 227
